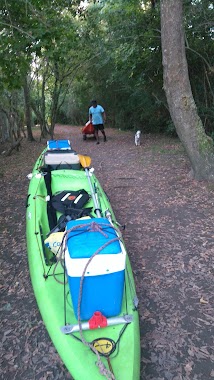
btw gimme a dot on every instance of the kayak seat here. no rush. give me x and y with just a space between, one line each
68 200
69 204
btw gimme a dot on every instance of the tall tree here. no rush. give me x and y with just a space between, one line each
199 147
28 113
47 29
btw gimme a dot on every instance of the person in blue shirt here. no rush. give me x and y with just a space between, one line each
97 117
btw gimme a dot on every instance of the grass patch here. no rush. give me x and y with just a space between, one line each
166 149
210 186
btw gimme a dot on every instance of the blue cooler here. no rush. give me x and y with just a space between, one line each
58 145
104 278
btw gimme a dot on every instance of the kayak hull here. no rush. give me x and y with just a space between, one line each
53 295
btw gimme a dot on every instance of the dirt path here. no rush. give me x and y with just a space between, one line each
170 239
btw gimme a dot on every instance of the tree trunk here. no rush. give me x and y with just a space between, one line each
199 147
53 117
28 115
44 131
16 145
55 100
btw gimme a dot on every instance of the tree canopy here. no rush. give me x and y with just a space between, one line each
68 52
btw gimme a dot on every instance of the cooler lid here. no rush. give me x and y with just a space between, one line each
90 235
58 144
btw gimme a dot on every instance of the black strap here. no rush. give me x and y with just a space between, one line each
64 219
51 212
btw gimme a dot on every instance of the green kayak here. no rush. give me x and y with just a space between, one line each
79 268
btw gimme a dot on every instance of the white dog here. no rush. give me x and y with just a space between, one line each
137 138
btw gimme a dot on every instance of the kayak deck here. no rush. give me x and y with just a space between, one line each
118 345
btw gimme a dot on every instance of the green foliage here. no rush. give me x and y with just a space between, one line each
107 50
212 136
170 129
126 77
41 37
126 59
11 114
200 55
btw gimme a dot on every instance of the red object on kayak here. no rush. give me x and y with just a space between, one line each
97 320
88 129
